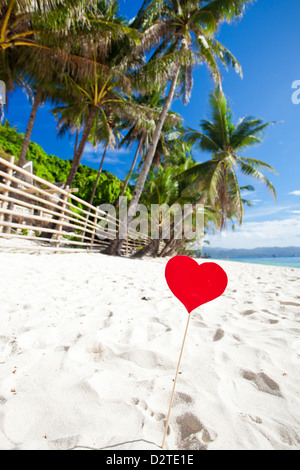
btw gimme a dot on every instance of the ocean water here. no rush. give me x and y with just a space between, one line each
283 262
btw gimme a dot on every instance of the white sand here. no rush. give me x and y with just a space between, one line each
85 361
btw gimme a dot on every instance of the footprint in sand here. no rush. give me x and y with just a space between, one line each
218 335
255 419
290 304
263 382
2 400
246 313
10 343
146 410
182 398
189 425
107 322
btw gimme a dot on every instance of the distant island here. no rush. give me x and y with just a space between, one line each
267 252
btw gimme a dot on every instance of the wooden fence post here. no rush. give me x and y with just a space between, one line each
4 205
29 204
94 229
61 219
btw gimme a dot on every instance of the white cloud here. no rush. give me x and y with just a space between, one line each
295 193
113 156
266 211
247 193
260 234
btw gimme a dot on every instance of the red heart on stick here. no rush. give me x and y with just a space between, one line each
193 284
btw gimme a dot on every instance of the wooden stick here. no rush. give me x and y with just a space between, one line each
175 381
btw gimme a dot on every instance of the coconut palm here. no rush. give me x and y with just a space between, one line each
185 30
42 41
142 129
212 216
163 188
108 134
91 98
30 30
37 99
224 140
63 28
109 82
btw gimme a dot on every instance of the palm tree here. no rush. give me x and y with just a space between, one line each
107 132
142 129
92 98
224 140
109 82
90 101
62 28
161 188
37 99
31 31
42 41
184 30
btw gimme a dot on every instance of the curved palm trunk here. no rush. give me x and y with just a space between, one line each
75 165
26 141
23 152
224 201
95 189
174 249
172 242
117 245
130 172
98 177
150 249
169 246
76 142
81 147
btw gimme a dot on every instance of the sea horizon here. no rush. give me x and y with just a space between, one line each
280 261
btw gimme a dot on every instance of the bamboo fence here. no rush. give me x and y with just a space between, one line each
51 218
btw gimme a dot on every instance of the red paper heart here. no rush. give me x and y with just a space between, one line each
195 284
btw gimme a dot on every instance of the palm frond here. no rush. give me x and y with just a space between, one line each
248 132
258 164
226 10
249 170
220 118
226 57
201 140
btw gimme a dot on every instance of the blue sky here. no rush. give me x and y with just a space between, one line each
266 43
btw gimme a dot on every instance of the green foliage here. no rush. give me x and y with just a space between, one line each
3 153
56 170
218 178
108 188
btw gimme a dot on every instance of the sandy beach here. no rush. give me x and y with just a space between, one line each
89 347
